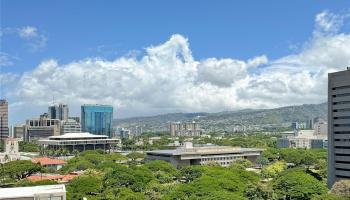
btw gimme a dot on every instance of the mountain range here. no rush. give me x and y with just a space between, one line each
228 121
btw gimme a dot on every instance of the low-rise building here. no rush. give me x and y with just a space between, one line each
53 192
304 139
79 141
49 163
189 155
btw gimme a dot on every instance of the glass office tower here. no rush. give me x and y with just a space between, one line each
97 119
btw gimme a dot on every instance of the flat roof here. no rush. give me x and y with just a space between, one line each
205 150
77 135
340 73
22 192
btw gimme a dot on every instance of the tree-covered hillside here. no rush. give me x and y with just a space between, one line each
227 121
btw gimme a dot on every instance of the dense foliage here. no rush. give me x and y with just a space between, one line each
19 169
283 174
28 147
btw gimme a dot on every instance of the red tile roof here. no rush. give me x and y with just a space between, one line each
53 177
43 161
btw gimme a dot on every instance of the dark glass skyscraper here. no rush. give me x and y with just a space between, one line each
97 119
59 111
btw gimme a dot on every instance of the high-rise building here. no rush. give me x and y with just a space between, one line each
338 126
60 111
298 125
97 119
18 131
41 128
4 127
190 129
310 124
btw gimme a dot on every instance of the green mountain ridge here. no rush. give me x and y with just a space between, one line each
230 120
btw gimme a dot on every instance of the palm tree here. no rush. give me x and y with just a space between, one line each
64 152
75 152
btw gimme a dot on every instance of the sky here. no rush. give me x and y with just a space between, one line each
153 57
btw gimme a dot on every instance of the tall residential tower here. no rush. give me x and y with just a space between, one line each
4 128
97 119
338 126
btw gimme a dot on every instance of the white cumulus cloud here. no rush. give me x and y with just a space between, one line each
167 78
28 32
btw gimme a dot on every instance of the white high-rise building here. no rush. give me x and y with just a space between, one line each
190 129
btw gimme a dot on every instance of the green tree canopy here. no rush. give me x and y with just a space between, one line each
274 169
20 169
135 178
298 185
84 186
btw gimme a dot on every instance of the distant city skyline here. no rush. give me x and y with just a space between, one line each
155 58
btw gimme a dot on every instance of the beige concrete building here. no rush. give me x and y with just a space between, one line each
43 127
203 155
70 126
19 131
303 139
338 126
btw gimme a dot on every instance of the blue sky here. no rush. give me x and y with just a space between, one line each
153 57
236 29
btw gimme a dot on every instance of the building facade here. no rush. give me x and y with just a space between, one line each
42 192
77 119
70 126
58 111
97 119
41 128
321 128
79 141
49 163
298 125
303 139
188 129
189 155
338 126
11 151
4 127
19 131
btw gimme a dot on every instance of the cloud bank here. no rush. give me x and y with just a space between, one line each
167 78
